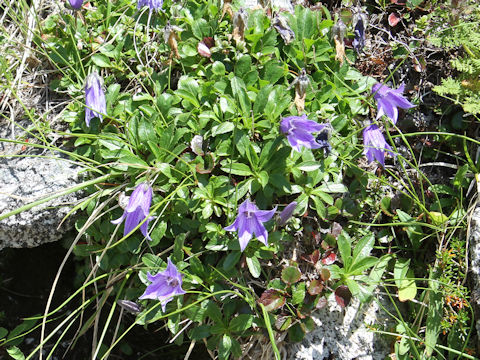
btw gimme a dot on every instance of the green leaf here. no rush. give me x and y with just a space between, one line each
243 66
460 176
298 293
345 249
407 289
236 168
240 94
363 247
200 332
361 265
224 347
3 332
178 248
15 353
412 4
435 314
101 61
414 231
214 313
254 266
296 333
218 68
241 323
309 165
333 188
223 128
231 260
291 274
200 28
263 178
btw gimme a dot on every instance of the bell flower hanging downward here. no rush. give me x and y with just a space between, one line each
388 100
375 144
299 131
286 213
152 4
137 210
95 104
76 4
165 285
249 222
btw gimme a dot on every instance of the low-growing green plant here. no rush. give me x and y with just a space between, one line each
460 34
210 119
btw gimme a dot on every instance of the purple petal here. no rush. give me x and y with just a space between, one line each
287 213
259 230
171 270
305 139
133 219
95 103
144 228
292 140
265 215
120 219
234 226
244 231
157 290
401 101
389 108
76 4
307 125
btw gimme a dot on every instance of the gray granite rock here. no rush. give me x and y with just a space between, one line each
27 179
344 334
474 250
27 175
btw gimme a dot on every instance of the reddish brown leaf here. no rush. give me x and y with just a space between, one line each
343 296
325 274
272 299
329 257
393 19
312 258
315 287
209 41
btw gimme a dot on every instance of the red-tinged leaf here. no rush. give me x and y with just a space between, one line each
209 41
329 257
343 296
300 315
312 258
315 287
325 274
393 19
291 274
321 303
398 2
272 299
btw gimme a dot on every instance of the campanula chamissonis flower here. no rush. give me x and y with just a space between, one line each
152 4
299 131
389 100
375 144
249 222
76 4
360 21
286 213
137 210
95 103
164 285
